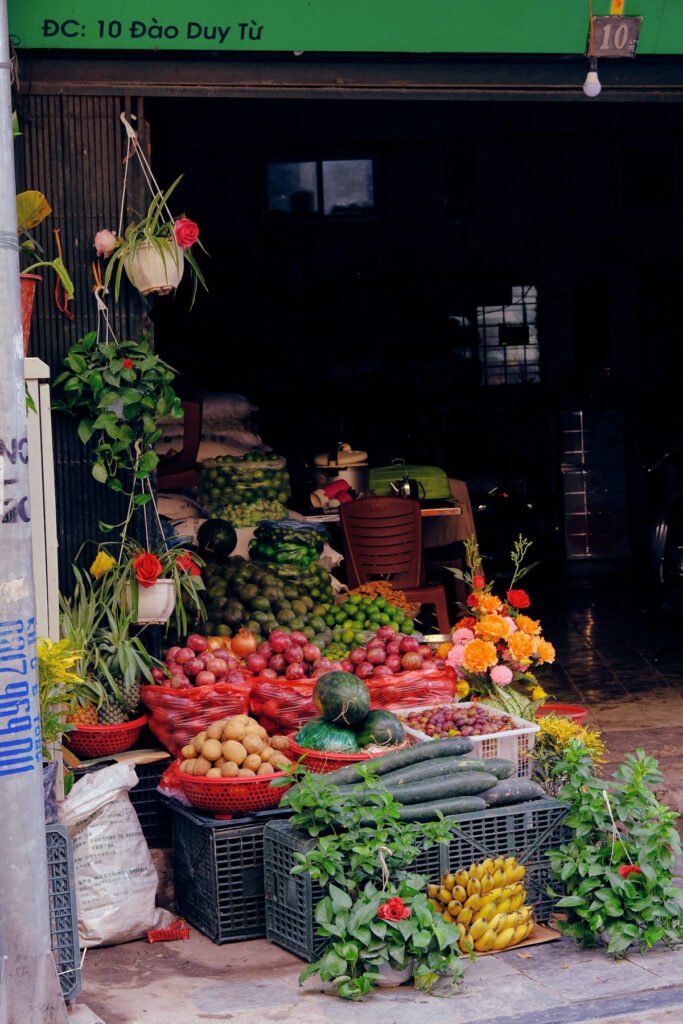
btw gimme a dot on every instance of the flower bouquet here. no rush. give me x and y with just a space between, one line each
497 643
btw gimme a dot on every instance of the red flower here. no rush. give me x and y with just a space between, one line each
394 910
478 582
128 364
473 600
186 232
147 569
629 869
468 622
518 598
187 563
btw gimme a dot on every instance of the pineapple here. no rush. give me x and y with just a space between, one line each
130 692
112 713
83 714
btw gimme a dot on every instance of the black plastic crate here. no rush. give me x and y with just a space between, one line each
62 905
525 831
153 814
291 899
218 873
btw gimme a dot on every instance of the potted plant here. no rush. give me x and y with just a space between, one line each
156 585
152 250
379 922
32 209
120 390
112 662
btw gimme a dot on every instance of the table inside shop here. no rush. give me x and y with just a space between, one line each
435 533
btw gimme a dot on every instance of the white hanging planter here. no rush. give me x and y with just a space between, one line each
155 604
152 272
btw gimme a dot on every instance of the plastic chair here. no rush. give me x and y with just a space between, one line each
383 540
177 472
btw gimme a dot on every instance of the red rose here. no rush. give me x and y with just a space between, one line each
187 563
518 598
147 569
394 910
472 600
629 869
186 232
478 582
128 364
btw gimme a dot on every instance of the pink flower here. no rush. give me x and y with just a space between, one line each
105 242
501 675
513 624
463 636
456 656
186 232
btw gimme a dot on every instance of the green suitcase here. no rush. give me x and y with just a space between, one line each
433 479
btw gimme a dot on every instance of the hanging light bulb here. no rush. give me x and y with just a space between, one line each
592 86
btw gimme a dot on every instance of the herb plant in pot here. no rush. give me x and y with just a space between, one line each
32 209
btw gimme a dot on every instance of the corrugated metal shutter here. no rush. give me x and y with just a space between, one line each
72 150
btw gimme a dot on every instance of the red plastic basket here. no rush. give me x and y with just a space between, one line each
178 930
225 797
321 762
574 711
96 740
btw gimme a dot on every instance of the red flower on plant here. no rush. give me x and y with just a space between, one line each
473 600
629 869
468 622
128 364
187 563
394 910
518 598
147 568
186 232
478 582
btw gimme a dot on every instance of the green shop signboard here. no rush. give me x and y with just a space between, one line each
351 26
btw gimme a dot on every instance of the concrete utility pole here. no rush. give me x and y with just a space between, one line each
29 987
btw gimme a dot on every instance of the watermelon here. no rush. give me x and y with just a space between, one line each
341 697
381 729
216 539
317 734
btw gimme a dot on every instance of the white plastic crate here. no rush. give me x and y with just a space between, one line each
514 745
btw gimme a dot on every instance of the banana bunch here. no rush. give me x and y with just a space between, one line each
486 903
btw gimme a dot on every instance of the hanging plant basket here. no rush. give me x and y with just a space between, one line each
153 272
154 604
28 293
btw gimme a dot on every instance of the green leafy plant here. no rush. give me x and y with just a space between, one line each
32 210
158 229
58 690
137 565
617 868
363 855
120 390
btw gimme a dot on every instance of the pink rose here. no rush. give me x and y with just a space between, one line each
186 232
105 242
501 675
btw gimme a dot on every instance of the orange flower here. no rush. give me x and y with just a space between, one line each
490 603
467 623
521 645
443 649
479 656
530 626
493 627
545 652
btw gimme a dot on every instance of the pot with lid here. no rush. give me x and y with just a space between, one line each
340 475
406 487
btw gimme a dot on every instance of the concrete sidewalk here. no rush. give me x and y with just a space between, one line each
188 982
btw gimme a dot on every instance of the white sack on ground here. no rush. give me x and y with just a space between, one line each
116 882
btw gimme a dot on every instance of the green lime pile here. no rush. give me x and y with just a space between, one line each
360 614
244 489
262 598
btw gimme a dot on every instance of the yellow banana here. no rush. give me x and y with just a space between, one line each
491 897
498 922
514 919
510 862
465 916
437 906
517 901
459 893
525 914
499 878
448 881
485 913
462 878
433 891
473 886
520 934
447 917
518 873
473 901
499 862
487 883
529 928
486 942
488 866
477 929
454 907
503 905
504 939
445 896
